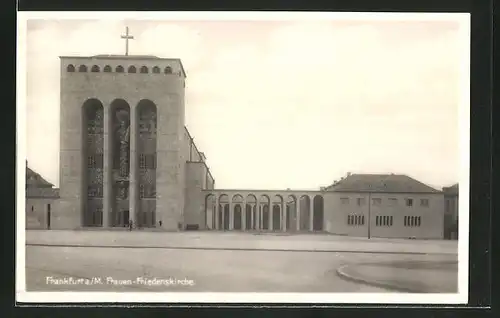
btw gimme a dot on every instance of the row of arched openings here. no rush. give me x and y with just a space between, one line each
119 69
270 215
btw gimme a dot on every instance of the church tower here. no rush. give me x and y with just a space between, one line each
122 128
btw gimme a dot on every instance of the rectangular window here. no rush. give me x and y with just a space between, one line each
142 161
95 161
150 161
349 219
362 220
409 202
91 191
418 221
406 220
393 201
377 221
90 162
377 201
141 191
361 201
344 200
98 191
390 221
424 202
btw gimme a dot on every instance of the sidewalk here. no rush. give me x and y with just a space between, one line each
408 276
235 241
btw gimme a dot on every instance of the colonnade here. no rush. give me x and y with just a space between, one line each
253 213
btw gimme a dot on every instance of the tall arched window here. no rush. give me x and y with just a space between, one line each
132 69
144 69
70 68
156 70
95 69
82 68
168 70
107 69
93 123
120 69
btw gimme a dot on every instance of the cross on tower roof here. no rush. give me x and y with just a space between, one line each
127 37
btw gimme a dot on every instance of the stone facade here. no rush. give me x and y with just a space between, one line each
108 79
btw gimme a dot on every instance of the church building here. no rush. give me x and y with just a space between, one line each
127 156
125 153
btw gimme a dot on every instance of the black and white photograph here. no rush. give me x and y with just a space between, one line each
245 157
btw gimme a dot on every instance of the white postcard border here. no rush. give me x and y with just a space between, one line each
192 297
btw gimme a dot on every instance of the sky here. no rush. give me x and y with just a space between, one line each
280 104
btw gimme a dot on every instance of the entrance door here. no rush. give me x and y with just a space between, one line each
48 216
126 217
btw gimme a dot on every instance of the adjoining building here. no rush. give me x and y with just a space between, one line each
385 205
451 212
40 198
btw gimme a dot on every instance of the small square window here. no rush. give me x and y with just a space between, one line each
344 200
409 202
424 202
377 201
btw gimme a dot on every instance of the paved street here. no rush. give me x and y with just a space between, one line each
239 240
198 269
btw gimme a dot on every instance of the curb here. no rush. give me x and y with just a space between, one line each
232 249
343 275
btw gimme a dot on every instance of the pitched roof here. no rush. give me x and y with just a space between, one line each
34 179
388 183
451 189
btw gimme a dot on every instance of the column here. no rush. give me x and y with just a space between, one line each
311 213
257 216
270 215
133 184
244 216
107 169
251 216
283 216
261 216
216 227
297 213
223 214
231 215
